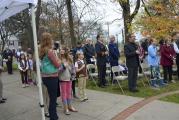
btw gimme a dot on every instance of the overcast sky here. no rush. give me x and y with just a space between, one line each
109 11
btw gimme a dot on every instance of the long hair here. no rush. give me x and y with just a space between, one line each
66 55
151 41
45 44
25 60
20 58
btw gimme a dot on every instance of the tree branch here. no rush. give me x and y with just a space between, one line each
145 8
136 9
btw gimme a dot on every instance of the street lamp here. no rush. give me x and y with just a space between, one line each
109 23
117 40
123 36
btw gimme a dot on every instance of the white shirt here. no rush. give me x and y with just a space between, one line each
176 48
18 53
19 66
76 63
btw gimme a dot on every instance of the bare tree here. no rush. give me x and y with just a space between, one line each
128 16
4 33
38 12
71 24
53 13
60 5
87 9
56 14
16 25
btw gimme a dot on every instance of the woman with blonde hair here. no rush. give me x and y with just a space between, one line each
49 71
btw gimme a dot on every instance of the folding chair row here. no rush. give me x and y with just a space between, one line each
118 76
92 72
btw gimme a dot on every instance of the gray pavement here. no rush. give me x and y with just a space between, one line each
22 104
157 110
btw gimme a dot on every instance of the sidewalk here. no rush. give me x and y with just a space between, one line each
157 110
22 104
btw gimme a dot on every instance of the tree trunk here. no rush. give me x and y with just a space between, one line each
3 45
71 25
61 30
30 38
127 23
128 17
38 12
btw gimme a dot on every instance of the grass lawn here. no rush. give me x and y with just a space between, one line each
14 66
171 98
144 92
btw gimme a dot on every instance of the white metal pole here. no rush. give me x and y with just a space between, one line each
108 29
37 62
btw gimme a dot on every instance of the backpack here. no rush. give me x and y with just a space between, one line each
47 66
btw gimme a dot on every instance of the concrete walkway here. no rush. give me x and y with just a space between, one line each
157 110
22 104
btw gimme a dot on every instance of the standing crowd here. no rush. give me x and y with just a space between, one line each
25 65
62 67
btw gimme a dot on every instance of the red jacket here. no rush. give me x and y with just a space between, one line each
167 53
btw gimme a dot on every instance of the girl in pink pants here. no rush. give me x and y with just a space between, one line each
65 76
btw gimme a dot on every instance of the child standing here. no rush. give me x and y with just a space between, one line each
153 61
73 78
30 70
23 67
81 74
65 81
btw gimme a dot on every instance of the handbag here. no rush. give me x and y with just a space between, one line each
47 67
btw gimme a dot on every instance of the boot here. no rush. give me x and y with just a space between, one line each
72 109
66 110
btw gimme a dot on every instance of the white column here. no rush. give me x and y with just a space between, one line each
37 62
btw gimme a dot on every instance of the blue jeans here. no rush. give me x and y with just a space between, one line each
52 84
155 76
155 72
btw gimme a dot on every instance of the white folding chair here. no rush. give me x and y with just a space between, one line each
118 77
93 60
174 69
141 75
92 72
146 72
108 71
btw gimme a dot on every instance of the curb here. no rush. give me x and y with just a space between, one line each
132 109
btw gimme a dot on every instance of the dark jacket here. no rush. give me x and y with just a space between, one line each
113 54
132 59
89 52
100 49
75 50
167 55
8 54
145 45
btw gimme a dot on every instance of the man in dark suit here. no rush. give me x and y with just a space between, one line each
101 52
132 62
8 58
113 53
